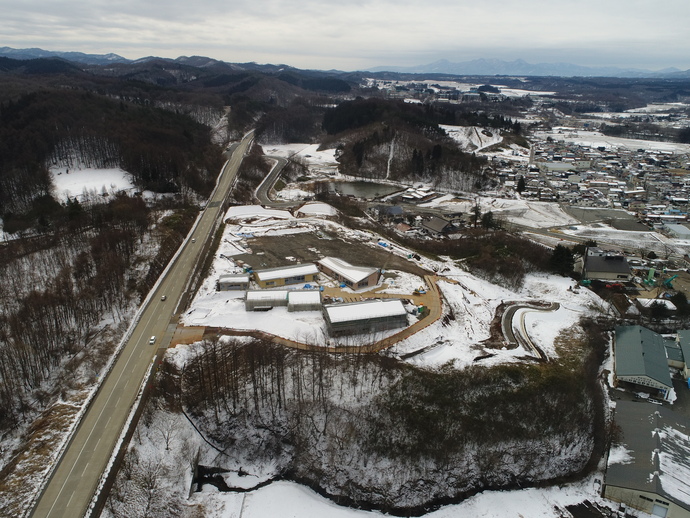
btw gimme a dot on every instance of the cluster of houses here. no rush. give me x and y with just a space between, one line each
654 184
422 90
296 287
655 477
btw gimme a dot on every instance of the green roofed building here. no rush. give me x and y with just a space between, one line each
640 359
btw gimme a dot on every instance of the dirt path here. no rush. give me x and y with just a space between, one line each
431 300
522 338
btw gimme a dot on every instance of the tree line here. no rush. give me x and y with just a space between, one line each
339 422
65 284
163 151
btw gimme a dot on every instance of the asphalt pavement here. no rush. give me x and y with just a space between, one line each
74 481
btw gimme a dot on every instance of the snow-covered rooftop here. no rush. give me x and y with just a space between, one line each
266 295
286 271
304 297
365 310
657 440
353 273
244 212
317 209
236 277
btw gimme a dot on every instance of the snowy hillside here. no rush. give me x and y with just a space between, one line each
472 138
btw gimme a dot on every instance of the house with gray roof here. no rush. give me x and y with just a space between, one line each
654 476
233 282
437 226
640 359
607 268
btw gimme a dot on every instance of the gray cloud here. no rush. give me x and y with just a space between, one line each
351 35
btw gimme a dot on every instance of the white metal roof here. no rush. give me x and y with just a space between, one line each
286 271
365 310
267 295
317 208
242 212
304 297
230 277
345 269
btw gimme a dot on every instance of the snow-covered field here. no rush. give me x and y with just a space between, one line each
473 300
472 138
521 212
87 184
290 500
596 139
307 152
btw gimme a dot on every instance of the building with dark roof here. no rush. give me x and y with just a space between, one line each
640 359
436 226
607 268
655 477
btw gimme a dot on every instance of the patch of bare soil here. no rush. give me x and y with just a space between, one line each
496 339
275 251
29 466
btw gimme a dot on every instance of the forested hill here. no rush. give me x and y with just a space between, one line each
403 141
163 151
151 118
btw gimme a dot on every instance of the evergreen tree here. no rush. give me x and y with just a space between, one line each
562 260
521 185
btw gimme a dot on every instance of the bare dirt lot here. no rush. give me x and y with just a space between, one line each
275 251
617 218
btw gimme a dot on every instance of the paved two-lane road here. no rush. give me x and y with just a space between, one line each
74 481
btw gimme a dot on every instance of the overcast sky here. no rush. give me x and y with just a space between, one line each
355 35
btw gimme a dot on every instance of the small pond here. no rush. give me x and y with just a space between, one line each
359 189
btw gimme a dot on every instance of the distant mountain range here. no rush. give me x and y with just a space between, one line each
519 67
477 67
78 57
115 59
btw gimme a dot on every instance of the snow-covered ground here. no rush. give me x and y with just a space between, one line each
473 302
473 138
306 152
630 240
290 500
89 184
597 139
461 86
522 212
